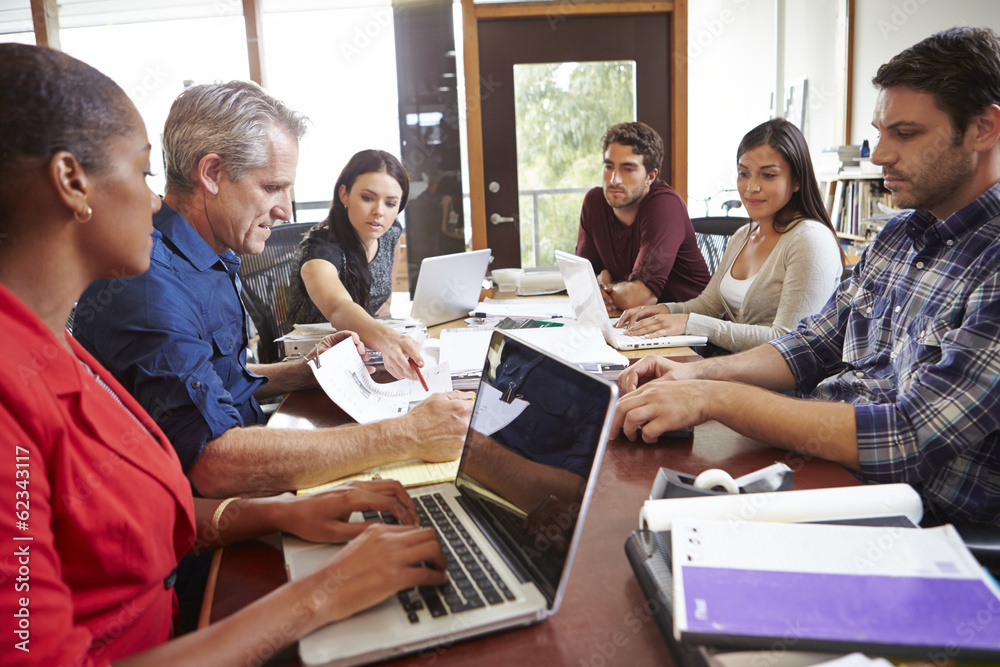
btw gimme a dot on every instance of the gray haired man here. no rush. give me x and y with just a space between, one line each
175 336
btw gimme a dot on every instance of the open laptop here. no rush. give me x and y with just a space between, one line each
588 304
448 286
516 511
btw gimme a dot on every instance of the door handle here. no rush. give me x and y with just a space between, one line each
496 219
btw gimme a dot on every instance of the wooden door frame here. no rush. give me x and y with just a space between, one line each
473 13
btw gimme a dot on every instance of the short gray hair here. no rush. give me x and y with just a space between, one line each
229 119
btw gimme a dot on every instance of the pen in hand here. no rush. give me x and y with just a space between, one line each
420 377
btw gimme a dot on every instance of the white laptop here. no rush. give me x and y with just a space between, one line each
588 304
448 286
536 438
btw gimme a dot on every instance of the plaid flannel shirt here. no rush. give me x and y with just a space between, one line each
913 341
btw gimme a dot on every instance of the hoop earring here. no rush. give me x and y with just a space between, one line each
87 214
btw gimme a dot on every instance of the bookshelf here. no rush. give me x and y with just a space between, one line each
855 203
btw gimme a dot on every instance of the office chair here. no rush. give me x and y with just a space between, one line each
713 235
266 278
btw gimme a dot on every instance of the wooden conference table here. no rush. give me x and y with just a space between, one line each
602 620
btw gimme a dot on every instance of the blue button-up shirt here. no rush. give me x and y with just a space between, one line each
176 337
913 341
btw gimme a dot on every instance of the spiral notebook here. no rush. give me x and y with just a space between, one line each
883 590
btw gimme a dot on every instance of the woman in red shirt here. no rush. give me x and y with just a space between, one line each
100 511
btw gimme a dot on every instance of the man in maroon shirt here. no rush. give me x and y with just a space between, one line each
636 230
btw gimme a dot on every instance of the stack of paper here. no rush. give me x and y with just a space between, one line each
408 473
303 337
464 350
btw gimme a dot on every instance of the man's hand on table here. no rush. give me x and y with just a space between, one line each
437 426
658 395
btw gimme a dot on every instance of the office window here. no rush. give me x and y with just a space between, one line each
18 37
338 66
15 22
154 61
561 113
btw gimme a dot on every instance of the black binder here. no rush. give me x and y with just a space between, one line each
648 553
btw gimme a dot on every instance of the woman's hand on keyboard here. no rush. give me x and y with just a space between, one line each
659 325
379 562
633 315
324 516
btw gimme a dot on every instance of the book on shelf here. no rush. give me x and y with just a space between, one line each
859 205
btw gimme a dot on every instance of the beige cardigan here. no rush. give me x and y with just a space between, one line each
796 280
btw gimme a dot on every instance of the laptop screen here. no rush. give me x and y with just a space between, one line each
534 435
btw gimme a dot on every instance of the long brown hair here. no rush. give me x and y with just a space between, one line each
357 277
806 202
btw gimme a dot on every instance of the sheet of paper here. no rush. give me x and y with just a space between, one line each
319 330
409 473
343 376
492 414
534 307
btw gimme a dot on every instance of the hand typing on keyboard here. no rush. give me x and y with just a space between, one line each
325 516
473 583
652 322
381 561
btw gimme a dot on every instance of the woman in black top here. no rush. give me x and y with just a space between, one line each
344 269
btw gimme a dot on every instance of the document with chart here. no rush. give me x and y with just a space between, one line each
342 374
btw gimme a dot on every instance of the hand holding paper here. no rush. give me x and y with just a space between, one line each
341 373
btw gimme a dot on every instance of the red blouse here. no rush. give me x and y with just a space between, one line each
98 511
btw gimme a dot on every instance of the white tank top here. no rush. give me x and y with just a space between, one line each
733 290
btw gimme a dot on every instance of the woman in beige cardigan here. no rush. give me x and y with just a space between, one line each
776 270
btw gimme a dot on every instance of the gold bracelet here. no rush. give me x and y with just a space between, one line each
218 515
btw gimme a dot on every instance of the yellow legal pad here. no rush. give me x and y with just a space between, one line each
409 473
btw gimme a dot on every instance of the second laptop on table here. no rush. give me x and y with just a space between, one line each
448 286
588 304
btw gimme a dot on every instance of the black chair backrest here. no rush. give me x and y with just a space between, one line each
266 278
713 235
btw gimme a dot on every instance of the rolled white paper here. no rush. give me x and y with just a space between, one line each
848 502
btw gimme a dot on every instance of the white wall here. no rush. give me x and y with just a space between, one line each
731 64
810 42
732 70
883 28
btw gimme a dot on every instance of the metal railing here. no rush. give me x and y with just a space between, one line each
535 194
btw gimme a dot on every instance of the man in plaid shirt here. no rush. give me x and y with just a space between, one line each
901 368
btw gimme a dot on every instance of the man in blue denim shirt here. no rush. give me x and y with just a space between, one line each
175 336
905 357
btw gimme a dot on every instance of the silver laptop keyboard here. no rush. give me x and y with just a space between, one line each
473 582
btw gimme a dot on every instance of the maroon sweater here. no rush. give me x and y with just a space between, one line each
659 249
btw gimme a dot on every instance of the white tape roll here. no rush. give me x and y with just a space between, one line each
713 477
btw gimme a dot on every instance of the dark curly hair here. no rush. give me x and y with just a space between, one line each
50 102
960 67
356 276
642 138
